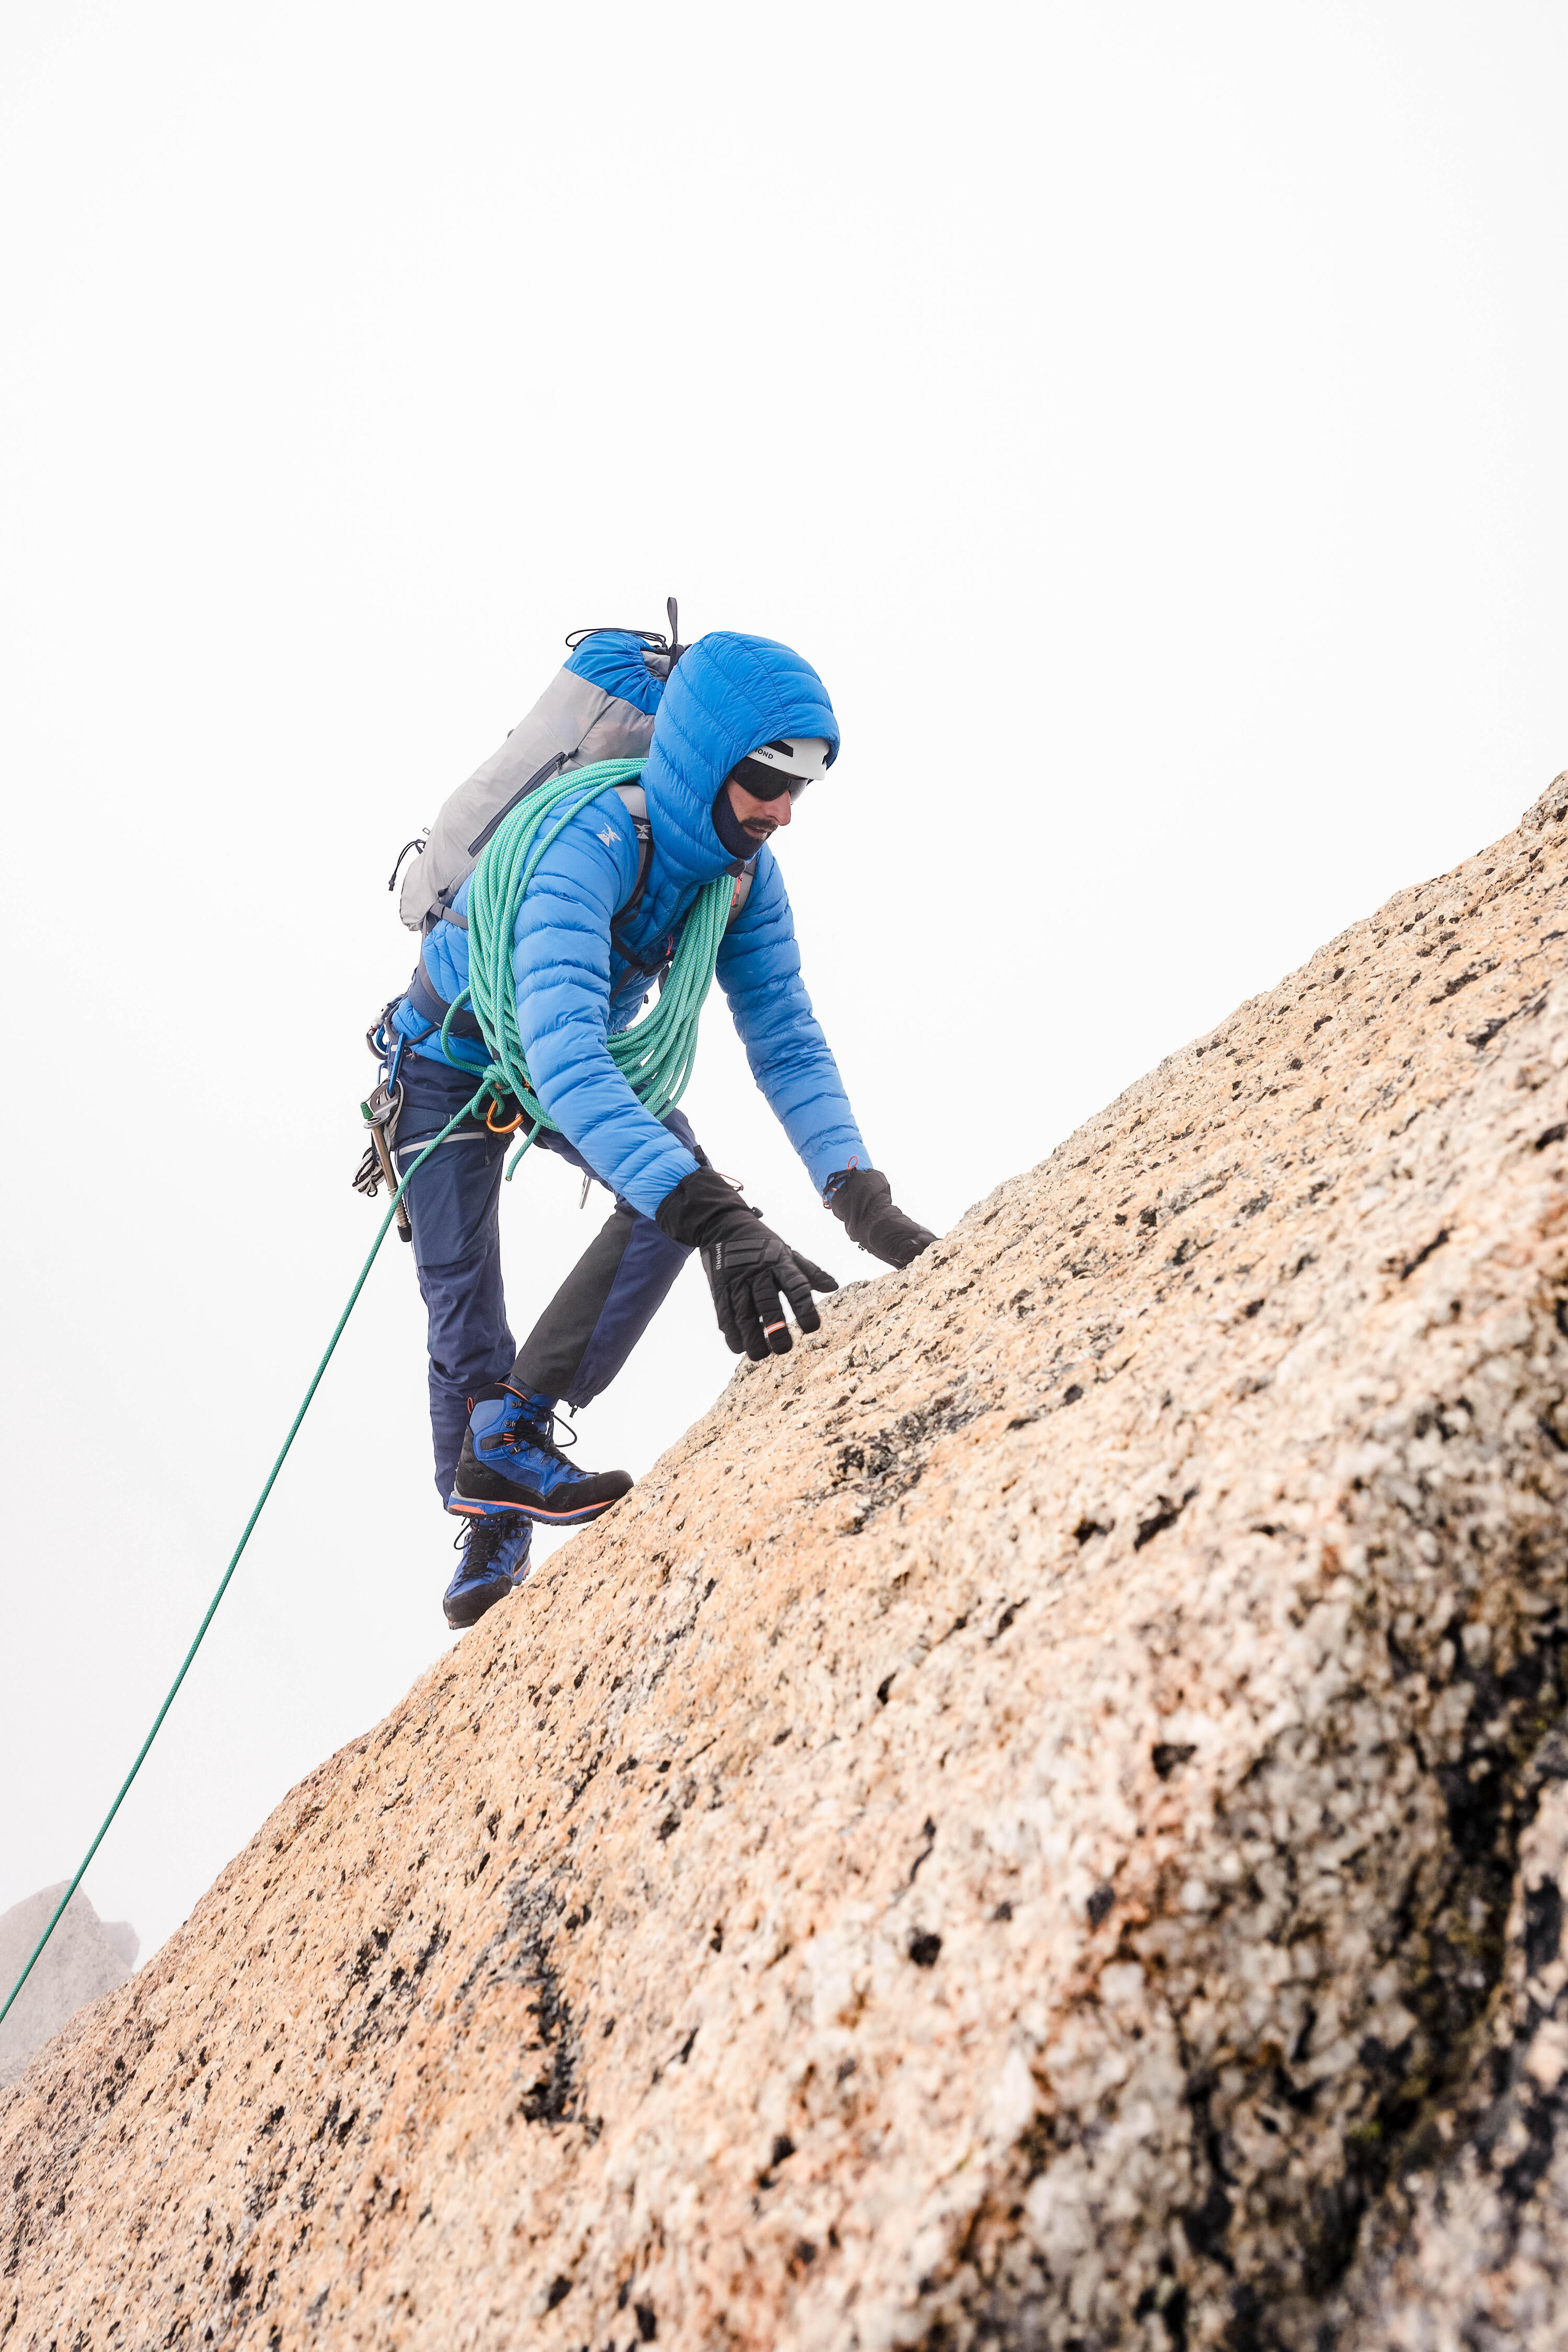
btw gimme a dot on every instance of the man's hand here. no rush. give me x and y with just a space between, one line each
749 1270
863 1202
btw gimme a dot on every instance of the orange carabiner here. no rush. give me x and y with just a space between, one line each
510 1126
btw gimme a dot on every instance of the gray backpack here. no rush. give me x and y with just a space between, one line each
573 724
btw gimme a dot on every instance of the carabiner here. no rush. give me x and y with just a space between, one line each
511 1126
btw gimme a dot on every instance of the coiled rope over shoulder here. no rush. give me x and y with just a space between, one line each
655 1057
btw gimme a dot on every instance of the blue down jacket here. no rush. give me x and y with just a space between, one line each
725 696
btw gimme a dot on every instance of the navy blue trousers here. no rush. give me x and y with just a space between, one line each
594 1319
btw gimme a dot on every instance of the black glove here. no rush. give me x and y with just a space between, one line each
863 1202
747 1265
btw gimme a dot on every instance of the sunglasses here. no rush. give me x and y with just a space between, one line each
765 783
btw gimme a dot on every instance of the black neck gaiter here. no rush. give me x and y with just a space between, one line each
730 829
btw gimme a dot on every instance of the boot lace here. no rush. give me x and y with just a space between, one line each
552 1429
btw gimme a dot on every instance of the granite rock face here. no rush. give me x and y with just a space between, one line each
1043 1822
85 1958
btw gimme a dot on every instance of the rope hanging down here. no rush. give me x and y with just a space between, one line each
478 1098
655 1058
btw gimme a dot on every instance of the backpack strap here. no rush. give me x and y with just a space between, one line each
636 802
433 1007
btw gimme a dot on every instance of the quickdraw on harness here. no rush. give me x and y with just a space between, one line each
381 1112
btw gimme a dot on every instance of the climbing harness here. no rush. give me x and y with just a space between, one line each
655 1057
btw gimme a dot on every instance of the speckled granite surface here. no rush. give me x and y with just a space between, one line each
1041 1822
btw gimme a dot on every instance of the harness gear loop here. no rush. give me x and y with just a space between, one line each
381 1114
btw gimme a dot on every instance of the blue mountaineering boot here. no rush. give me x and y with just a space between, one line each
494 1562
511 1462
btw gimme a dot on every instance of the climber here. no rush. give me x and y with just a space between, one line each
734 730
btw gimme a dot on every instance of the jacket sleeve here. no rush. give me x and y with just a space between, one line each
561 966
759 971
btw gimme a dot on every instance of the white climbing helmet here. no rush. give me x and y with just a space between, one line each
802 757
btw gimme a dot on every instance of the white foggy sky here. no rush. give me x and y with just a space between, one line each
1148 419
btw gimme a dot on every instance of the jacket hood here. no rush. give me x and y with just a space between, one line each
726 694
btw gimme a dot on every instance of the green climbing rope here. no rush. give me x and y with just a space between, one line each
481 1094
655 1057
